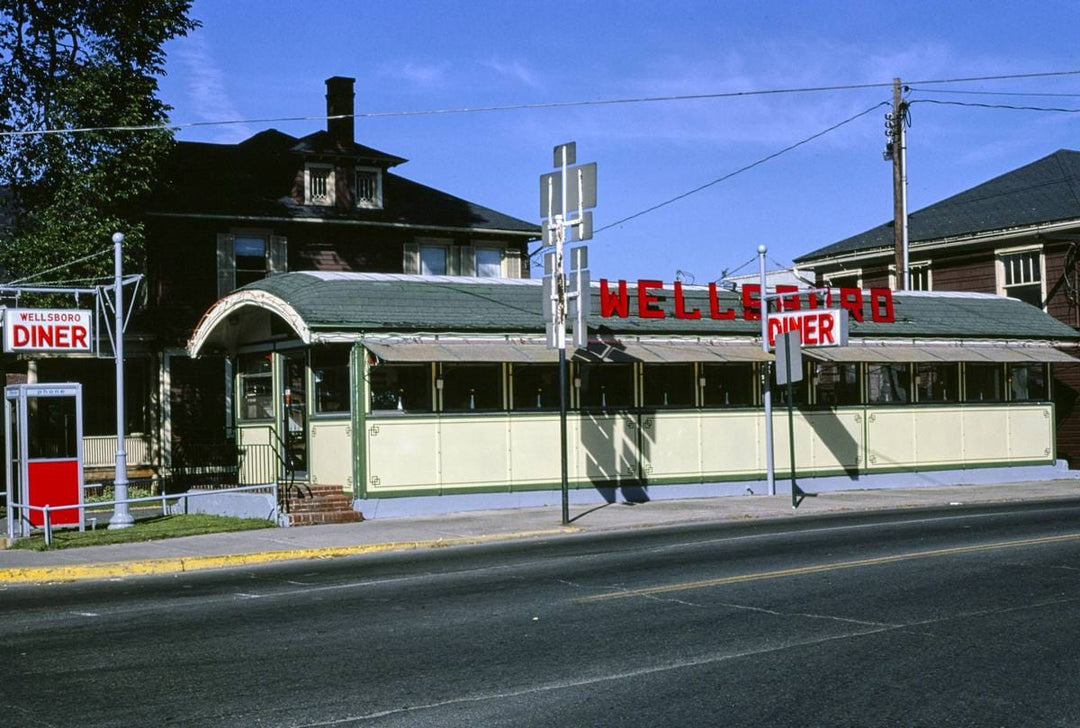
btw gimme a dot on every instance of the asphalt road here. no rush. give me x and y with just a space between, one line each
960 618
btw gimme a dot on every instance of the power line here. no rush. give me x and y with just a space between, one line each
746 168
1009 107
59 267
1031 94
525 107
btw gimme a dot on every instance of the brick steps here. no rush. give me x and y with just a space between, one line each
320 504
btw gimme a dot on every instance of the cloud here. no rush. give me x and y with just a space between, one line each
206 89
421 75
515 70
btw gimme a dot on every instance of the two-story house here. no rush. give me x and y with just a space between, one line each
1016 235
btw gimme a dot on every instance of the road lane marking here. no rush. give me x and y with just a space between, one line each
821 568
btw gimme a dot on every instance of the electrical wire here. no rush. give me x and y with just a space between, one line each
746 168
1031 94
59 267
1009 107
524 107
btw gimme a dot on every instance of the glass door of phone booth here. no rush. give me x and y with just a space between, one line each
44 464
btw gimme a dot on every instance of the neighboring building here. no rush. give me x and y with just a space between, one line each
421 387
1016 235
227 215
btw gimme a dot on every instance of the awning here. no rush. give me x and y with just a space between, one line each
538 353
938 353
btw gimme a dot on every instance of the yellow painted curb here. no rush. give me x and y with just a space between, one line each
80 572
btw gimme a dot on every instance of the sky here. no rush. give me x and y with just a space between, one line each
267 59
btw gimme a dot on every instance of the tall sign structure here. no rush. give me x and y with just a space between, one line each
565 198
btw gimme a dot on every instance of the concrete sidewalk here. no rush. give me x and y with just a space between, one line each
222 550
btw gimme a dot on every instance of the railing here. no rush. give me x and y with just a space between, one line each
163 498
99 451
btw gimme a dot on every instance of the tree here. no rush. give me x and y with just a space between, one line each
76 64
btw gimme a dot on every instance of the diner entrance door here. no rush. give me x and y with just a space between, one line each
294 411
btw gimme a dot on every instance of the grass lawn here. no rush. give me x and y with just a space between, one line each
147 529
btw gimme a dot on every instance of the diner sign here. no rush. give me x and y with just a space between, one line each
46 330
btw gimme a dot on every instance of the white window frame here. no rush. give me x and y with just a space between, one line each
444 244
829 278
501 252
331 184
377 202
999 268
912 266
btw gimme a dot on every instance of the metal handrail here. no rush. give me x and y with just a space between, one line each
48 510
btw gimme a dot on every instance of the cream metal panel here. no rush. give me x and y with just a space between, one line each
890 438
1031 432
939 436
732 442
605 447
986 434
671 444
252 469
473 451
825 441
330 461
534 448
402 453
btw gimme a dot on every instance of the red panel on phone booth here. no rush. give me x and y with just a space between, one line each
54 483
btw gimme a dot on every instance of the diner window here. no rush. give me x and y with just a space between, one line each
888 383
330 370
799 391
1020 276
727 385
1028 383
400 388
488 262
837 384
536 387
605 386
256 387
669 385
937 382
369 188
319 184
471 387
984 382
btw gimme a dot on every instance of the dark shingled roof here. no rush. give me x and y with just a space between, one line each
400 303
322 142
1047 190
254 178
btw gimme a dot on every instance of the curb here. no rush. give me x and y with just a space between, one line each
184 564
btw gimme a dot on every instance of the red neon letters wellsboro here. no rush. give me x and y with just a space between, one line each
650 295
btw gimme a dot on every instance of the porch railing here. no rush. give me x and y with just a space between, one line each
99 451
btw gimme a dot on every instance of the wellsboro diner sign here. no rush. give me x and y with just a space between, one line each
817 326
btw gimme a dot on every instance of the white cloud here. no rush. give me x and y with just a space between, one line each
421 75
206 89
515 70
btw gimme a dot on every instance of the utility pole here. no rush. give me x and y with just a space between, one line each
896 150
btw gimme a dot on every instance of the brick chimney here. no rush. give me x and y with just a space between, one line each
339 100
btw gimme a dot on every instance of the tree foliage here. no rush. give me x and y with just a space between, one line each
76 64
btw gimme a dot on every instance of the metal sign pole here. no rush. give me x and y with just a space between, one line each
560 338
770 474
121 517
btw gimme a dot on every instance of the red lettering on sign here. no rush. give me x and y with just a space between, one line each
614 304
881 305
810 330
78 337
680 305
789 303
20 335
714 306
851 299
751 302
827 335
645 300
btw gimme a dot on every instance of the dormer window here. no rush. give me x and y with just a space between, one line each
319 184
369 187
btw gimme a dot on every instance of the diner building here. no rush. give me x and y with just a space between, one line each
438 393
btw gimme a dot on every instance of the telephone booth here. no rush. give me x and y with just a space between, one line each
44 465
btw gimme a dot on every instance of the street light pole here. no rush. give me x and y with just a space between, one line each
766 389
121 517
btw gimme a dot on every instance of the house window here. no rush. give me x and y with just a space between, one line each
256 387
400 388
250 259
919 274
1020 276
727 385
330 369
888 383
471 387
669 385
536 386
937 382
319 184
368 188
489 262
248 256
837 384
433 260
844 279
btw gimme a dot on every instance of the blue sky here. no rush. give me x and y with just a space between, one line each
256 59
